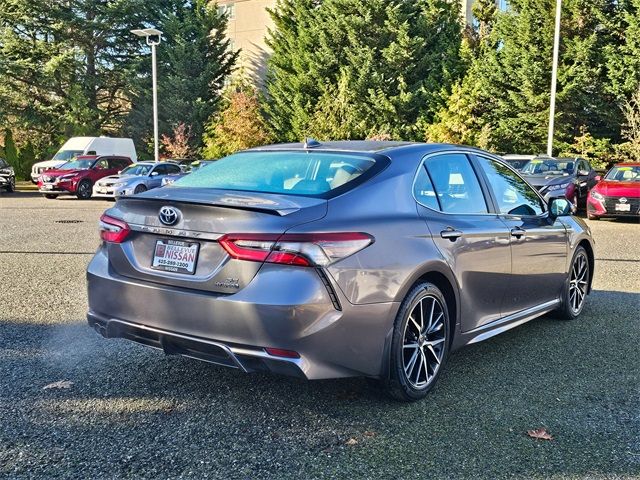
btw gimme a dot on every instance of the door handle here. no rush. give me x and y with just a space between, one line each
518 232
451 233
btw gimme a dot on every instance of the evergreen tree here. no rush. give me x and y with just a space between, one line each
194 60
506 89
392 59
67 64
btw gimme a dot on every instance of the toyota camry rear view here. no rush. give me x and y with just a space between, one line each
339 259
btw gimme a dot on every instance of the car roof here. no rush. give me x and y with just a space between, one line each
370 146
627 164
386 147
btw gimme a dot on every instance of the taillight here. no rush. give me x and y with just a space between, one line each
113 230
302 249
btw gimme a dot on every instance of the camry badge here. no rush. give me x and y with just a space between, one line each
168 215
623 200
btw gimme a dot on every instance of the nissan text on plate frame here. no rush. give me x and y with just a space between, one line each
339 259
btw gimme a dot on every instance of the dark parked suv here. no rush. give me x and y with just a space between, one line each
571 177
7 176
338 259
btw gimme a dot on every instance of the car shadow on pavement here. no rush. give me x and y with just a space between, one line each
129 404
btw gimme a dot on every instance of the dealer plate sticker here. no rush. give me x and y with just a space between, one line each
175 256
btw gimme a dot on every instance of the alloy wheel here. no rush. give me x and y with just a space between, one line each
578 282
424 342
84 189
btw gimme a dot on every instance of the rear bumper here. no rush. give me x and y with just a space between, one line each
282 307
242 358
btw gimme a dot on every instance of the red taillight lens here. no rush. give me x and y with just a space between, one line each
302 249
279 352
113 230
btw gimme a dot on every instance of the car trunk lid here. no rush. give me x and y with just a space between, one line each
203 216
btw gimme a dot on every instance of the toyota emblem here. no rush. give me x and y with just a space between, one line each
168 215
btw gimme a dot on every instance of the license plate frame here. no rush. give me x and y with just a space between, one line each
163 264
47 186
623 207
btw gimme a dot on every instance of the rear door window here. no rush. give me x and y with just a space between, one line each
320 174
456 186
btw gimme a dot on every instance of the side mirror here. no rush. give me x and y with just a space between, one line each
597 178
154 174
583 173
560 207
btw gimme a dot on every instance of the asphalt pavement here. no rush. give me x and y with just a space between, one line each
131 412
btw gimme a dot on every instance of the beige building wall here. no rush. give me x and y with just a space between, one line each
249 22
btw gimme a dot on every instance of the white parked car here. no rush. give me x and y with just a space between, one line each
77 146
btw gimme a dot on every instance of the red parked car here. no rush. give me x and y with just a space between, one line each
78 176
617 194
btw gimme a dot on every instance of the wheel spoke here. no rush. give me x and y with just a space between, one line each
415 323
433 352
437 324
417 380
410 345
409 368
426 367
421 316
433 308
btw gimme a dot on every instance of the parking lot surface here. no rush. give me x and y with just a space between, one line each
133 412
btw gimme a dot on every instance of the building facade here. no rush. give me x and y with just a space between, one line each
249 22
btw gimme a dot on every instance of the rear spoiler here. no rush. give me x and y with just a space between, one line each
280 212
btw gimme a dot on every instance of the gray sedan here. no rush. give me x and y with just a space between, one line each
137 178
341 259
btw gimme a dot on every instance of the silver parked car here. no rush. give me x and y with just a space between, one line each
340 259
137 178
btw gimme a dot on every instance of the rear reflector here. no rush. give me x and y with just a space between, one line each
112 229
302 249
279 352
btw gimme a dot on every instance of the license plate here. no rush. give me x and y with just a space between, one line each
623 207
47 187
175 256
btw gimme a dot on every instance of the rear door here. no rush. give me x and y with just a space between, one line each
470 236
538 245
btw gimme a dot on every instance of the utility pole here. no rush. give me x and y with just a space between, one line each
554 77
153 37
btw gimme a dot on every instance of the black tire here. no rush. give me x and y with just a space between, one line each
83 191
12 185
567 309
50 196
139 189
401 385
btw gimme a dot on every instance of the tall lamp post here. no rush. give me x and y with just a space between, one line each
554 77
153 37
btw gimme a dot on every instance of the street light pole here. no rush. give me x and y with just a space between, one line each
554 77
153 38
154 75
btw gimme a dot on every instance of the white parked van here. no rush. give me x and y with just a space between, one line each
77 146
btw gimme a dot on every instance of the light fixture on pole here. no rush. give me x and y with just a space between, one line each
153 37
554 77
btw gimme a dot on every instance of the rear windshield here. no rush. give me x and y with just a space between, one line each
296 173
